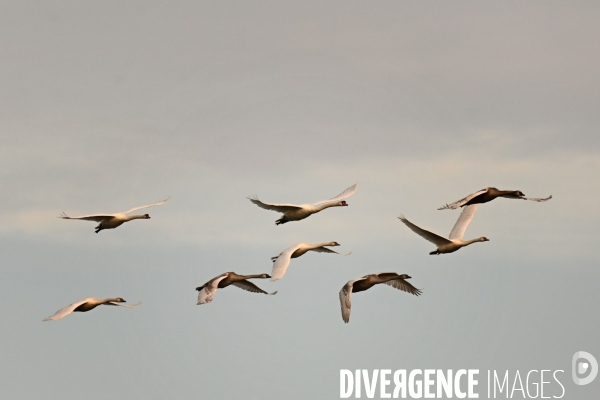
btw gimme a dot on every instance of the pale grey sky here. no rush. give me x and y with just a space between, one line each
108 105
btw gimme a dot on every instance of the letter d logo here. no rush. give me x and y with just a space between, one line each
582 367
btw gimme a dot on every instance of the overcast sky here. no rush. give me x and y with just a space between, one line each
108 105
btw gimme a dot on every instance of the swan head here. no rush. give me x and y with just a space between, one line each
119 300
334 244
520 194
265 276
146 216
404 276
484 239
343 203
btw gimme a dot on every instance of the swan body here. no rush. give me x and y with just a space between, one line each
297 212
489 194
282 261
368 281
89 304
207 292
455 240
111 221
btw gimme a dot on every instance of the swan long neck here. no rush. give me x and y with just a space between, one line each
468 242
321 207
257 276
315 246
110 299
139 216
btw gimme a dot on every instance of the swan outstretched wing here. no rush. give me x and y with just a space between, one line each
207 292
112 303
282 208
424 233
66 311
92 217
250 287
466 216
324 249
456 204
282 262
345 299
527 198
160 203
399 283
344 195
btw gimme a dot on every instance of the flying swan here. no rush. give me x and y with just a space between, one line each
367 282
89 304
207 292
455 240
489 194
282 261
293 212
111 221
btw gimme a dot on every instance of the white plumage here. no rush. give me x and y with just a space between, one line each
88 304
111 221
296 212
455 240
207 293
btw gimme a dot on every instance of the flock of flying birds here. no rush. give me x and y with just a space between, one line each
293 212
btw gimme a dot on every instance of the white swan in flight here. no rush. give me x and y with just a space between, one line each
89 304
282 261
207 291
368 281
111 221
455 240
293 212
489 194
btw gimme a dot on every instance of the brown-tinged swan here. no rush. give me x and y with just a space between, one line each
282 261
368 281
489 194
207 292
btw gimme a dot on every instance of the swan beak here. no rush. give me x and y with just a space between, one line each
486 240
408 277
